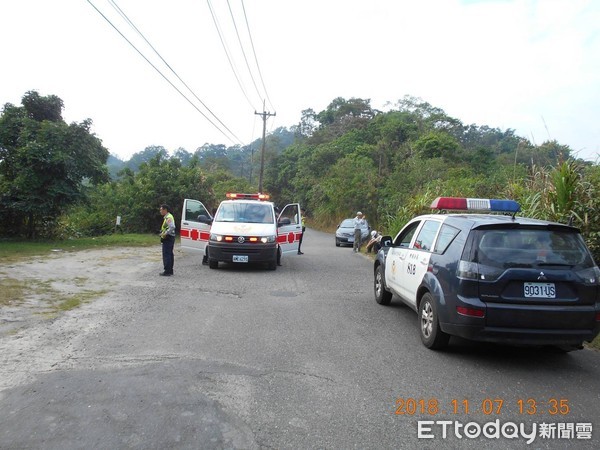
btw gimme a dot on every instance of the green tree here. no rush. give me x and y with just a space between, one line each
183 155
42 108
350 185
45 164
342 116
136 197
213 157
437 144
428 117
146 155
308 123
390 165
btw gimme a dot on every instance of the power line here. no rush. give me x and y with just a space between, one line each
255 57
161 74
227 54
242 49
114 3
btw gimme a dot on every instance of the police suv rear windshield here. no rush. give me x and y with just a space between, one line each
530 247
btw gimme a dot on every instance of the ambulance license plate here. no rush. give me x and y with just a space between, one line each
240 258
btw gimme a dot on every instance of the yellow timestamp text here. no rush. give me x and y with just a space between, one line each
408 406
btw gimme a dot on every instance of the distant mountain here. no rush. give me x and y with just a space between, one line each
237 158
114 165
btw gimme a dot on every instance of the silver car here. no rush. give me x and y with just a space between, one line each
344 235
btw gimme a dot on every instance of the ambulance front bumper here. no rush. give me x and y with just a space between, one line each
242 253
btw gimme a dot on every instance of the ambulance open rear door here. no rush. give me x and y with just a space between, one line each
195 226
289 228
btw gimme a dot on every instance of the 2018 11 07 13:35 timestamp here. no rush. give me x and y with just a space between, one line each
488 406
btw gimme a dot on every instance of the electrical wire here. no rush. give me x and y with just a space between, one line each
120 11
242 49
255 57
231 64
124 16
163 75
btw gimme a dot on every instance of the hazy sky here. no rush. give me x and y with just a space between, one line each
532 66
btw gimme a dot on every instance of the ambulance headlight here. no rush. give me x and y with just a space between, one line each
268 239
216 237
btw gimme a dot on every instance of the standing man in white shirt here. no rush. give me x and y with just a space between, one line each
359 224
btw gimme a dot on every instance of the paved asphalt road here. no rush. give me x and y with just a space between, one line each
298 358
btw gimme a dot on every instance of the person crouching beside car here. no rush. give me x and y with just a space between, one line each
375 242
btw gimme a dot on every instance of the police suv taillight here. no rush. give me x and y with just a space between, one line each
468 270
591 275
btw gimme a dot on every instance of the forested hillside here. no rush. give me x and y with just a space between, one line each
390 165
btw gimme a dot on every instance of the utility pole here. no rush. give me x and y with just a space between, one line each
264 115
251 161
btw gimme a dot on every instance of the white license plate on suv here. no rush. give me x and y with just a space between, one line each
540 290
240 258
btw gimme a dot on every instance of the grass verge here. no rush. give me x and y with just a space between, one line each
595 344
76 300
11 290
14 251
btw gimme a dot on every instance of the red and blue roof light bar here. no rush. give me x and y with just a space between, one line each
236 196
476 204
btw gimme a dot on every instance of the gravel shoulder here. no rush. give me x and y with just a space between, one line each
62 295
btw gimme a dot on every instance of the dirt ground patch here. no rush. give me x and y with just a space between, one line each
58 298
43 288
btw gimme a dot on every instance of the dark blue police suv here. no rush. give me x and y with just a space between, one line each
490 277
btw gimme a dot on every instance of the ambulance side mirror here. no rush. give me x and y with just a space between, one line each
205 219
284 221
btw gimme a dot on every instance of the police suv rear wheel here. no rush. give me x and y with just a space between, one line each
429 327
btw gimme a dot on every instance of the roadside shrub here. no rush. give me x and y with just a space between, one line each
81 222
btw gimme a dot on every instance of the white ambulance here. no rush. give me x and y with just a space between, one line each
244 230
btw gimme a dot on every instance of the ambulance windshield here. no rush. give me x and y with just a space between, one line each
245 212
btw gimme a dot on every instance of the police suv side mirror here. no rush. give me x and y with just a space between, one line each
205 219
386 241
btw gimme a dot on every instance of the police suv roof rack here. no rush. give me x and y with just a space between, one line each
476 204
257 196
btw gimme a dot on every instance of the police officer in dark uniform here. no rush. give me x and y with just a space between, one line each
303 230
167 238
